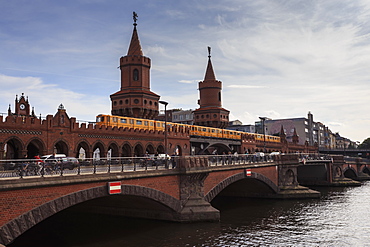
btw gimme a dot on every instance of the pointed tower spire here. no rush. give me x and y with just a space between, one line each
210 112
135 47
210 74
9 111
135 98
282 132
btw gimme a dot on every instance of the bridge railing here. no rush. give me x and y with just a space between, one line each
312 157
239 159
23 168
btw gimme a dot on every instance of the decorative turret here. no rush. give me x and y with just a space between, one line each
22 106
135 98
210 112
295 138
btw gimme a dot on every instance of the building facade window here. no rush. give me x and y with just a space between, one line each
136 74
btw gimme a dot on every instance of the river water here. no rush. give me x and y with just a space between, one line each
341 217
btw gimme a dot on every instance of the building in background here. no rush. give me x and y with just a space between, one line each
239 126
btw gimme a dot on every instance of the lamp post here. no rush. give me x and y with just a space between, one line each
165 130
263 119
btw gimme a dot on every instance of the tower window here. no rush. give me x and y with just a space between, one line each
136 75
219 96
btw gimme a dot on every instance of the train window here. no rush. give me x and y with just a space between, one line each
151 124
139 122
99 119
213 131
146 123
131 121
158 124
204 129
114 119
123 120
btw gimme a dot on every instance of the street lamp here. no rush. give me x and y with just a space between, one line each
165 130
263 119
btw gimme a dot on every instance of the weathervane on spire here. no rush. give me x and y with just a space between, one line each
209 51
134 17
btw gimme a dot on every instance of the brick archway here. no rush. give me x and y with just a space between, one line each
15 147
35 147
232 179
17 226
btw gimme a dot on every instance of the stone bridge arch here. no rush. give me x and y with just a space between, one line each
220 147
14 228
350 172
238 177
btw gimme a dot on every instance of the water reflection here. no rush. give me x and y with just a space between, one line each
339 218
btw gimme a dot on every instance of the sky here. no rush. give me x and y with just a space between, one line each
276 58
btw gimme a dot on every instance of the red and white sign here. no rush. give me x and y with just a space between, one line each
114 187
248 172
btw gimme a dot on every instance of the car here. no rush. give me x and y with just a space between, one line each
69 163
62 162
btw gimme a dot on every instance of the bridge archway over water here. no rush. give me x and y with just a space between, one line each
162 203
349 172
256 185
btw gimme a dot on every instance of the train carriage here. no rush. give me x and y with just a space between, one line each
147 124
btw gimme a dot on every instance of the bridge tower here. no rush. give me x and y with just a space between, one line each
210 113
135 98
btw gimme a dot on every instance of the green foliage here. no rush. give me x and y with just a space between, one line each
365 144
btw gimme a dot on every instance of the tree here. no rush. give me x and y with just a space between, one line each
365 144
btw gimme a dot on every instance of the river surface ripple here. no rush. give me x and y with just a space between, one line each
341 217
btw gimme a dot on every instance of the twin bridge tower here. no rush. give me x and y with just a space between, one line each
182 194
136 100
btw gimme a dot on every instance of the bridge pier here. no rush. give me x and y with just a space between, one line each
194 207
288 179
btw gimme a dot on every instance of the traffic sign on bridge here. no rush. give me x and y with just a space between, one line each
114 187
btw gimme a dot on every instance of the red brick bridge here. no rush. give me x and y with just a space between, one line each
181 194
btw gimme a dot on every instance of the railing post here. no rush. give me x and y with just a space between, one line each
61 169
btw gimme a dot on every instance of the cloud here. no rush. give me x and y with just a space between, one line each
47 97
245 86
188 81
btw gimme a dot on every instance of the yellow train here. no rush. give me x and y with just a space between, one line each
195 130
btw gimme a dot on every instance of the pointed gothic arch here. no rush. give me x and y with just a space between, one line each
61 147
113 149
35 147
98 147
126 150
139 150
83 150
13 148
